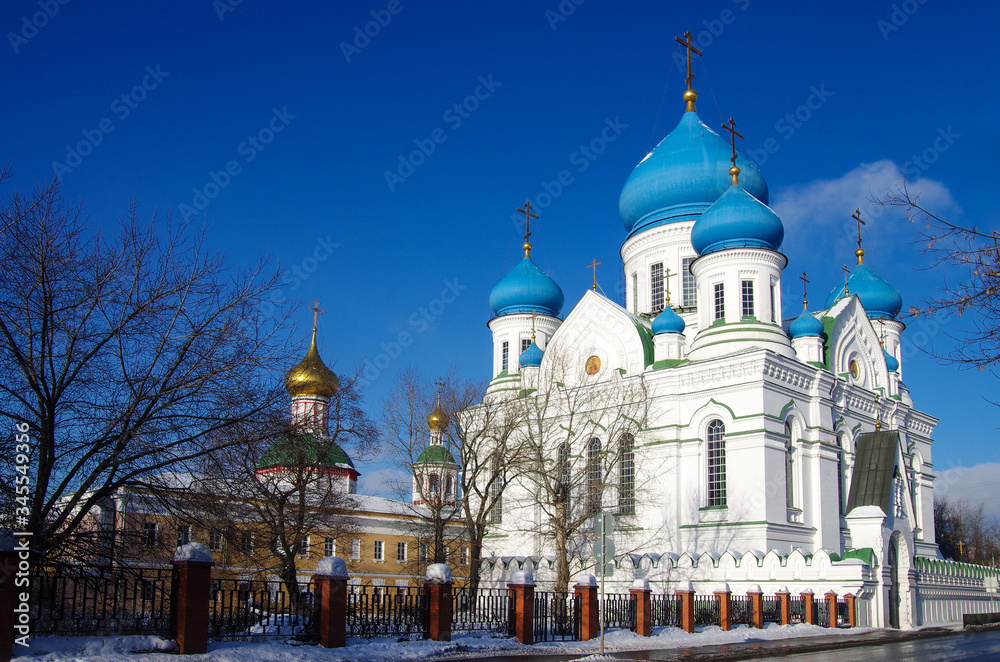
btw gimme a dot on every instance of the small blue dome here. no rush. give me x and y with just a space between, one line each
526 288
890 361
880 299
682 176
531 357
805 326
668 322
737 220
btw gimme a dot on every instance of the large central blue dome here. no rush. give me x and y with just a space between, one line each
525 289
682 176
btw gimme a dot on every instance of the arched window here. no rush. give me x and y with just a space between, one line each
447 485
842 475
594 475
562 473
496 491
434 485
716 463
626 475
789 467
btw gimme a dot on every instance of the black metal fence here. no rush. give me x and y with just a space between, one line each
484 610
742 610
76 600
379 611
557 616
797 609
771 612
706 610
251 609
665 610
619 611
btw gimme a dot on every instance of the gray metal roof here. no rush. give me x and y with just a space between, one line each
874 469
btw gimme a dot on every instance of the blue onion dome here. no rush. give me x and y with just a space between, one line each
531 357
890 361
526 288
668 322
880 299
737 220
682 176
805 326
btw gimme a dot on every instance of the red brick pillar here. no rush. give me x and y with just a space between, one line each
642 597
438 584
808 606
190 592
756 606
590 624
331 599
852 613
725 598
784 606
831 606
8 599
685 591
522 587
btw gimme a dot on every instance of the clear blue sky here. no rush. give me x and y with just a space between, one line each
308 128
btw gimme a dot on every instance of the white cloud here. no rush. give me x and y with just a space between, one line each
386 482
827 204
978 484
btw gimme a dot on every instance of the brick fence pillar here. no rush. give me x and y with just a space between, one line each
808 606
756 606
784 605
642 597
8 597
191 581
831 605
522 588
438 584
852 610
685 591
590 624
725 598
331 599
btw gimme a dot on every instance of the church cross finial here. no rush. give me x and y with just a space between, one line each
805 281
527 226
878 414
593 265
860 252
731 128
532 325
690 96
666 284
440 384
847 273
961 547
316 311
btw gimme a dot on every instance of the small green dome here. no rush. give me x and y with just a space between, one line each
435 455
305 451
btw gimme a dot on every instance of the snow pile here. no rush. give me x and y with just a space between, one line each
94 648
332 566
279 624
586 579
193 551
438 573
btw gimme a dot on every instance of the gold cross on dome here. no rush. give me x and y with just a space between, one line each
689 45
527 226
805 302
666 283
532 325
593 265
860 252
847 273
316 311
731 128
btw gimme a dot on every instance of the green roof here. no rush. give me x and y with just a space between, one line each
304 451
435 455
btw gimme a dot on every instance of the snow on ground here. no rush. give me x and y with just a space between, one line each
127 649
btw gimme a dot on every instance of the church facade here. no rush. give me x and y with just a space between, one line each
754 450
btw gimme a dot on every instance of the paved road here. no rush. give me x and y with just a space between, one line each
965 646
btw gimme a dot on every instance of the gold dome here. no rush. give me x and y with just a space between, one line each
438 420
311 376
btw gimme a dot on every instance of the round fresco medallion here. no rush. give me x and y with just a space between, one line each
593 365
854 369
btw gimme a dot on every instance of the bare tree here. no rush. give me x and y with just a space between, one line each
976 295
125 353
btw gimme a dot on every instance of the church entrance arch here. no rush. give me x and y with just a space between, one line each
892 565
